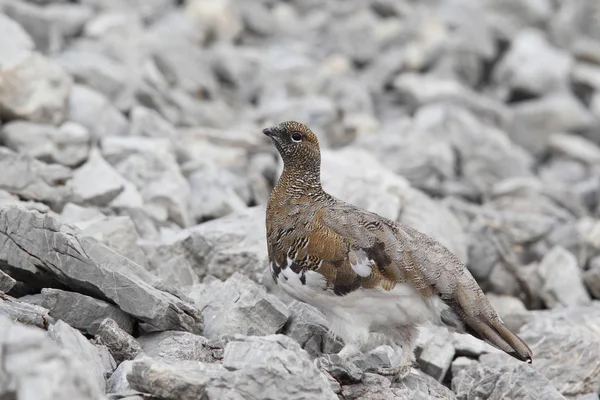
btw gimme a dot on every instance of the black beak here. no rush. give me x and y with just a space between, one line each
271 131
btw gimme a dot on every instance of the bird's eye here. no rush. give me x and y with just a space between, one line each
297 137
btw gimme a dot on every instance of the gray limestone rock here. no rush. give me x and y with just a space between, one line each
35 89
176 346
234 243
6 282
120 344
574 27
532 66
560 275
21 45
253 368
34 246
49 26
173 260
343 371
414 386
67 145
566 347
239 305
216 192
118 232
435 355
309 328
25 313
497 377
575 147
43 182
82 312
97 71
118 383
150 164
94 111
37 368
72 340
534 120
96 182
417 90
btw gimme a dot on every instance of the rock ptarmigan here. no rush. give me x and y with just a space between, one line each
367 273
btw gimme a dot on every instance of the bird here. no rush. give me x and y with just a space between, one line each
366 273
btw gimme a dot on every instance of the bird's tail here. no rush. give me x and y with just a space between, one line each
482 321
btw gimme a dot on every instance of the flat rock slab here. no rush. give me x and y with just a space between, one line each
35 368
29 314
271 367
81 311
6 282
240 305
37 246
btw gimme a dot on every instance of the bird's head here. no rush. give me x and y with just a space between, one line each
297 145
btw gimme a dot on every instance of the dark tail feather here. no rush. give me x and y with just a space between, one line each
499 336
478 314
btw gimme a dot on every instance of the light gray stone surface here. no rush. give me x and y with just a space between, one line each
82 312
38 246
239 305
6 282
37 368
43 182
119 343
72 340
25 313
172 345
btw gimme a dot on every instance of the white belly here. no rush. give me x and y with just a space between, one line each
356 314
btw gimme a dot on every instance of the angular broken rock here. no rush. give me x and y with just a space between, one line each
150 164
436 355
282 359
96 182
25 313
414 386
173 260
173 345
497 377
34 367
6 282
67 145
561 280
94 111
72 340
38 247
80 311
234 243
309 328
566 347
239 305
35 89
31 179
120 344
270 367
118 233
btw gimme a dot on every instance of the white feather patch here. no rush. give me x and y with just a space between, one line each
363 267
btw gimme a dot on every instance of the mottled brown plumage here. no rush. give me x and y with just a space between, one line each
365 272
